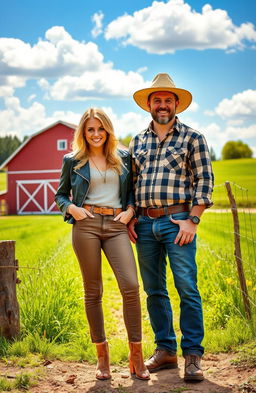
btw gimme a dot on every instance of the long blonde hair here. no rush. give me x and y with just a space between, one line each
81 147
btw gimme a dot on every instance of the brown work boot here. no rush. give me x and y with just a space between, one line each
193 370
161 359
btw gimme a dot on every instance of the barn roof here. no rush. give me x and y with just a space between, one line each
32 136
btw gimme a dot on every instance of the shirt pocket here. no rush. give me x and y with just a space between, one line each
175 159
141 158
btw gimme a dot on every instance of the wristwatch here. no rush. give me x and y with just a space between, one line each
194 219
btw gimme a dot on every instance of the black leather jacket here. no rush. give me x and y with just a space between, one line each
78 181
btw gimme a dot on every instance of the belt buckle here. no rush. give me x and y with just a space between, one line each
152 218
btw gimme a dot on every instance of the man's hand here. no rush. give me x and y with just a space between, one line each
186 233
131 231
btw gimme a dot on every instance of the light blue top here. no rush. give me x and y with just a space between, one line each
104 188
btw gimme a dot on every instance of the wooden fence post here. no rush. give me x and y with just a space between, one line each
9 307
238 253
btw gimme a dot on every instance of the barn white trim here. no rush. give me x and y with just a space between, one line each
34 171
42 208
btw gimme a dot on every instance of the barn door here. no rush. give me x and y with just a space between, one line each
36 196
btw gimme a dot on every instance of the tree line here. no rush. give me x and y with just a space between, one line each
8 144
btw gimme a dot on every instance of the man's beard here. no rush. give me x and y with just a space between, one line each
163 120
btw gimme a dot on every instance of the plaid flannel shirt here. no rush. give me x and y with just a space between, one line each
176 170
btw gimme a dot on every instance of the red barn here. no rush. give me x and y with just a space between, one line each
33 170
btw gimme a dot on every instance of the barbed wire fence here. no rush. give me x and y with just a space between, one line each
227 251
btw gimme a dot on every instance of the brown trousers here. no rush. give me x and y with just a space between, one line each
90 236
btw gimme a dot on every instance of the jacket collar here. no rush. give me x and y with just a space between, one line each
84 171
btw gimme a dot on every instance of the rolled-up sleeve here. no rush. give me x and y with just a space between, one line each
201 168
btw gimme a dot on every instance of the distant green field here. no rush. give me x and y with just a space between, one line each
241 172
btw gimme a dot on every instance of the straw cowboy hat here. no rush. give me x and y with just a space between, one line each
163 82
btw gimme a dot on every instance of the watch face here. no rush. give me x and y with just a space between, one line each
195 219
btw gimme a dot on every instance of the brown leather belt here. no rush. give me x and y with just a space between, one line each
154 212
103 210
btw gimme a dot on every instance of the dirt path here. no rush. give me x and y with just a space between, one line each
64 377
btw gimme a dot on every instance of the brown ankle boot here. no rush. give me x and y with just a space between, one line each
136 363
102 370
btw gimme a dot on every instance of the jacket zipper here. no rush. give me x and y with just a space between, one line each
85 195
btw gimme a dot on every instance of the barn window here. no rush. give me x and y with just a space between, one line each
62 144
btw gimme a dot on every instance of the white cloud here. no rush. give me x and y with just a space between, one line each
142 69
77 69
241 132
193 107
209 113
165 27
57 55
235 122
214 134
96 85
31 97
128 123
241 104
97 18
9 83
18 120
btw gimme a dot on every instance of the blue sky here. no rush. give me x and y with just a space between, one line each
57 58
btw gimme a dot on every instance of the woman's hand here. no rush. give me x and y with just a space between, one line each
79 213
125 216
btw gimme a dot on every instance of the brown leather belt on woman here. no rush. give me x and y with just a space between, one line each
154 212
103 210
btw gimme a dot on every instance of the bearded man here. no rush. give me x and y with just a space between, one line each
173 182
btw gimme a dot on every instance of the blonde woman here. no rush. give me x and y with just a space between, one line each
98 174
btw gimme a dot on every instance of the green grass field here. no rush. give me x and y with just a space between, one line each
51 295
241 172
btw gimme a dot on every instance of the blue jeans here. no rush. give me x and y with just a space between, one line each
155 242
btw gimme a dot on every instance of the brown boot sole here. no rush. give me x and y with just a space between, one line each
195 378
166 366
103 378
135 376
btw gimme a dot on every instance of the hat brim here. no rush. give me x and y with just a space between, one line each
185 97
